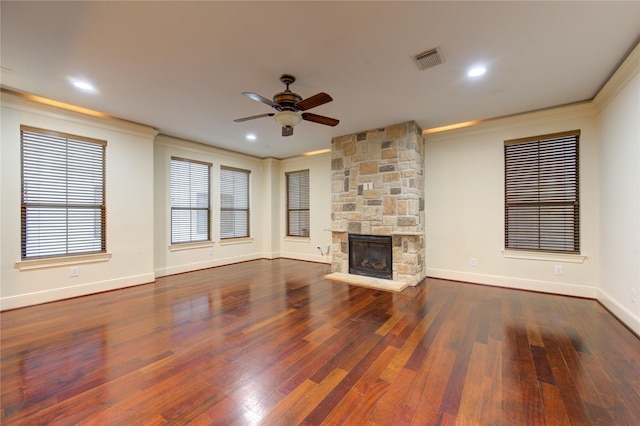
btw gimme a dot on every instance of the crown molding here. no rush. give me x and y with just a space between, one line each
550 115
627 71
47 107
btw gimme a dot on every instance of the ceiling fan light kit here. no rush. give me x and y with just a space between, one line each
287 118
289 104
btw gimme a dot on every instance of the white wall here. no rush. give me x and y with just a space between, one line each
620 187
268 207
464 202
319 167
180 258
129 192
271 207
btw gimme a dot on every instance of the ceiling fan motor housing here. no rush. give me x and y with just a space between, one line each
287 100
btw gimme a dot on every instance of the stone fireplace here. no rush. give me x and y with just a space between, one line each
378 190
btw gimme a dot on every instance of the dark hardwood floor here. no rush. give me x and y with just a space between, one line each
271 342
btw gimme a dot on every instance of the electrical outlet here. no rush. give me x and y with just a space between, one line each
326 248
210 251
75 271
558 270
474 261
634 295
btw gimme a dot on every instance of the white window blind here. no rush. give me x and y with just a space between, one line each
190 195
63 194
234 202
298 203
542 208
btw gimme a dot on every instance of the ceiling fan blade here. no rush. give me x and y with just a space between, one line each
262 99
239 120
287 130
320 119
314 101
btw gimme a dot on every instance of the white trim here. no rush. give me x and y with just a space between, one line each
517 122
191 246
232 241
623 75
39 297
109 123
516 283
548 257
317 258
195 266
53 262
622 313
177 143
297 239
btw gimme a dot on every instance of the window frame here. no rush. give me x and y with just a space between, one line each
542 193
191 209
47 196
225 208
291 210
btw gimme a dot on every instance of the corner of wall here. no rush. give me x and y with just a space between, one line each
620 312
629 68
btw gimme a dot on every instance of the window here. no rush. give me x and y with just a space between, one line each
298 203
190 208
234 203
63 194
542 209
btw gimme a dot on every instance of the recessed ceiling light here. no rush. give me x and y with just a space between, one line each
83 85
476 71
251 137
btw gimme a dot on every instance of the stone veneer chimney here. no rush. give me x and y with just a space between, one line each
378 189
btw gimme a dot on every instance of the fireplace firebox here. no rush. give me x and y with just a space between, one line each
371 256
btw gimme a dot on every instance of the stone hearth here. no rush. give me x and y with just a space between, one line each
378 189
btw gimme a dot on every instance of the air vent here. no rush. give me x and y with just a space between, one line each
429 58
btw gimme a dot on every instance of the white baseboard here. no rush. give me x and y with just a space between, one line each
39 297
307 257
517 283
622 313
189 267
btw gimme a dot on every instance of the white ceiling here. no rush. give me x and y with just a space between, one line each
181 66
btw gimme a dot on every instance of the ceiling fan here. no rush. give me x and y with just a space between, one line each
289 104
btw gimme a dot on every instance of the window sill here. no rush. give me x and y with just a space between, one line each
231 241
548 257
52 262
190 246
297 239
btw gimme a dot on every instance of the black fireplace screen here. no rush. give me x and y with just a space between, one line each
370 255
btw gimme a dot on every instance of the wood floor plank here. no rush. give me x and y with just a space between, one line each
368 402
314 397
491 406
427 408
471 398
392 398
271 342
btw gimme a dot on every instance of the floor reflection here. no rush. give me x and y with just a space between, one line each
62 367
